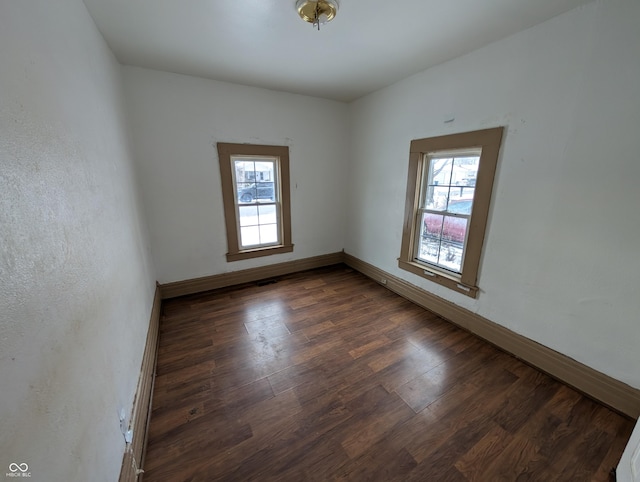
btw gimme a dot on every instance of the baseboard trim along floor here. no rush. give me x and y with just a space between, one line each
223 280
133 458
609 391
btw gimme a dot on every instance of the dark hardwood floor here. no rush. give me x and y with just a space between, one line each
326 375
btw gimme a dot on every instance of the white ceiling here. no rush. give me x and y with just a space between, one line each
370 44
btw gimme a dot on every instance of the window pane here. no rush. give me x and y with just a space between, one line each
267 214
432 225
246 192
264 171
248 215
249 236
437 198
265 192
465 170
454 230
268 234
440 171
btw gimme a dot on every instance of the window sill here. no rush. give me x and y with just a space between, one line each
259 252
439 277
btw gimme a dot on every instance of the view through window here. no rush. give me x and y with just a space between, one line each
257 196
448 187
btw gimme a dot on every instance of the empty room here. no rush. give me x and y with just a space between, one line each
319 240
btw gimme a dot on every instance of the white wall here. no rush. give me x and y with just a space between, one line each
561 262
177 121
76 281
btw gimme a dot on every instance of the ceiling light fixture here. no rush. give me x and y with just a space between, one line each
316 13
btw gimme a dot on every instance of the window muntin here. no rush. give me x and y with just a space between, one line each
256 197
446 197
447 207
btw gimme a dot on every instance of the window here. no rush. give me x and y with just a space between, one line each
255 191
448 194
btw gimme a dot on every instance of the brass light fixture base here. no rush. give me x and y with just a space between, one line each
317 12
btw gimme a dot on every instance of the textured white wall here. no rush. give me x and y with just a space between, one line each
76 281
560 263
177 121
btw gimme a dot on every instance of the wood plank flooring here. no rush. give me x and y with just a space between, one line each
325 375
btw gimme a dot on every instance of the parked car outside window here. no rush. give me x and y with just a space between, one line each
254 191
